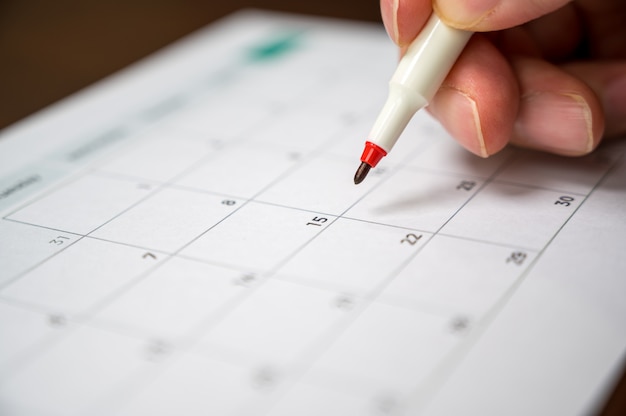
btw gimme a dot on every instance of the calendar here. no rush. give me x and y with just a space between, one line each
185 238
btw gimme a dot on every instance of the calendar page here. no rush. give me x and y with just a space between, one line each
186 238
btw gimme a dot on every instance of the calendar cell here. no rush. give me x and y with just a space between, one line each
275 325
497 215
216 119
159 156
221 173
351 143
196 385
416 199
322 402
458 277
348 96
23 246
174 300
21 330
445 155
387 349
322 185
258 237
168 220
78 278
93 364
303 133
375 252
83 205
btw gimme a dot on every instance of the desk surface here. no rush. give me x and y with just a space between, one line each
50 50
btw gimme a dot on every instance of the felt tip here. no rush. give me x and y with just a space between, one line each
361 173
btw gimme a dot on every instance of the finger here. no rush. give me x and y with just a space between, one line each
403 19
607 79
477 103
488 15
558 112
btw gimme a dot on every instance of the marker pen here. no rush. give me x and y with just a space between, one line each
419 75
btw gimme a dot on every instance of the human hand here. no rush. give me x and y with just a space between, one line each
544 74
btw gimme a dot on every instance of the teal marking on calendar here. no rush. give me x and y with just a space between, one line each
275 47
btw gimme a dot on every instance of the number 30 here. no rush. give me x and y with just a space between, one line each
564 200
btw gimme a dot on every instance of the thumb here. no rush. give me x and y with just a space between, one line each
488 15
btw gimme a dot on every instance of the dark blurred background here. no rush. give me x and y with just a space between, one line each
52 48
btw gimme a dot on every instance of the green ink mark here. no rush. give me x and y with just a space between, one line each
275 47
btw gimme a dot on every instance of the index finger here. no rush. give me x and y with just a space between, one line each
403 19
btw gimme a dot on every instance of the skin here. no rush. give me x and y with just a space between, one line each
542 74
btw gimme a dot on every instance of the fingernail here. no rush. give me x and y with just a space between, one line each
458 113
614 102
464 14
389 13
558 123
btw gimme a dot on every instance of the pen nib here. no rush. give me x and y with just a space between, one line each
361 173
